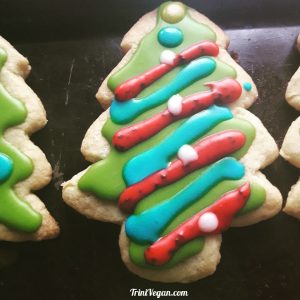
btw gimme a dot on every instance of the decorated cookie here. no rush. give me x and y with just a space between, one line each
290 149
23 166
176 156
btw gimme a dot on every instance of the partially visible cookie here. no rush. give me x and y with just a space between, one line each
298 43
23 166
177 155
290 149
293 89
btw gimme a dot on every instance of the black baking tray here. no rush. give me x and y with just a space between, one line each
72 46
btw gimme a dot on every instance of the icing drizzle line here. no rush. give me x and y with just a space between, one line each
209 150
225 91
158 157
147 226
146 168
15 166
212 220
195 70
132 87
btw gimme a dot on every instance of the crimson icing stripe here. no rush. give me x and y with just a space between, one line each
212 220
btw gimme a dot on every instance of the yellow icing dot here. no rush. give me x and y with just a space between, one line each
173 12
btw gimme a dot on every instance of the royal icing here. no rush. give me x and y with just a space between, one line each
208 222
187 154
247 86
6 167
175 105
167 57
174 167
170 37
14 166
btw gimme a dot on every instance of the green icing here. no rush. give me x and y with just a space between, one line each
165 193
143 60
255 200
104 179
136 251
14 212
222 70
109 188
3 57
97 182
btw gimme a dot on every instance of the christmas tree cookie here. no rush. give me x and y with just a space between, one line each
23 166
176 156
290 147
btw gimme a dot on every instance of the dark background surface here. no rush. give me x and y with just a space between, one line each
72 46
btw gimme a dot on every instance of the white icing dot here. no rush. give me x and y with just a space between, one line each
187 153
175 104
208 222
167 57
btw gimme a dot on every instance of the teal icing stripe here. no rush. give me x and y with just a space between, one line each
147 227
158 157
194 71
